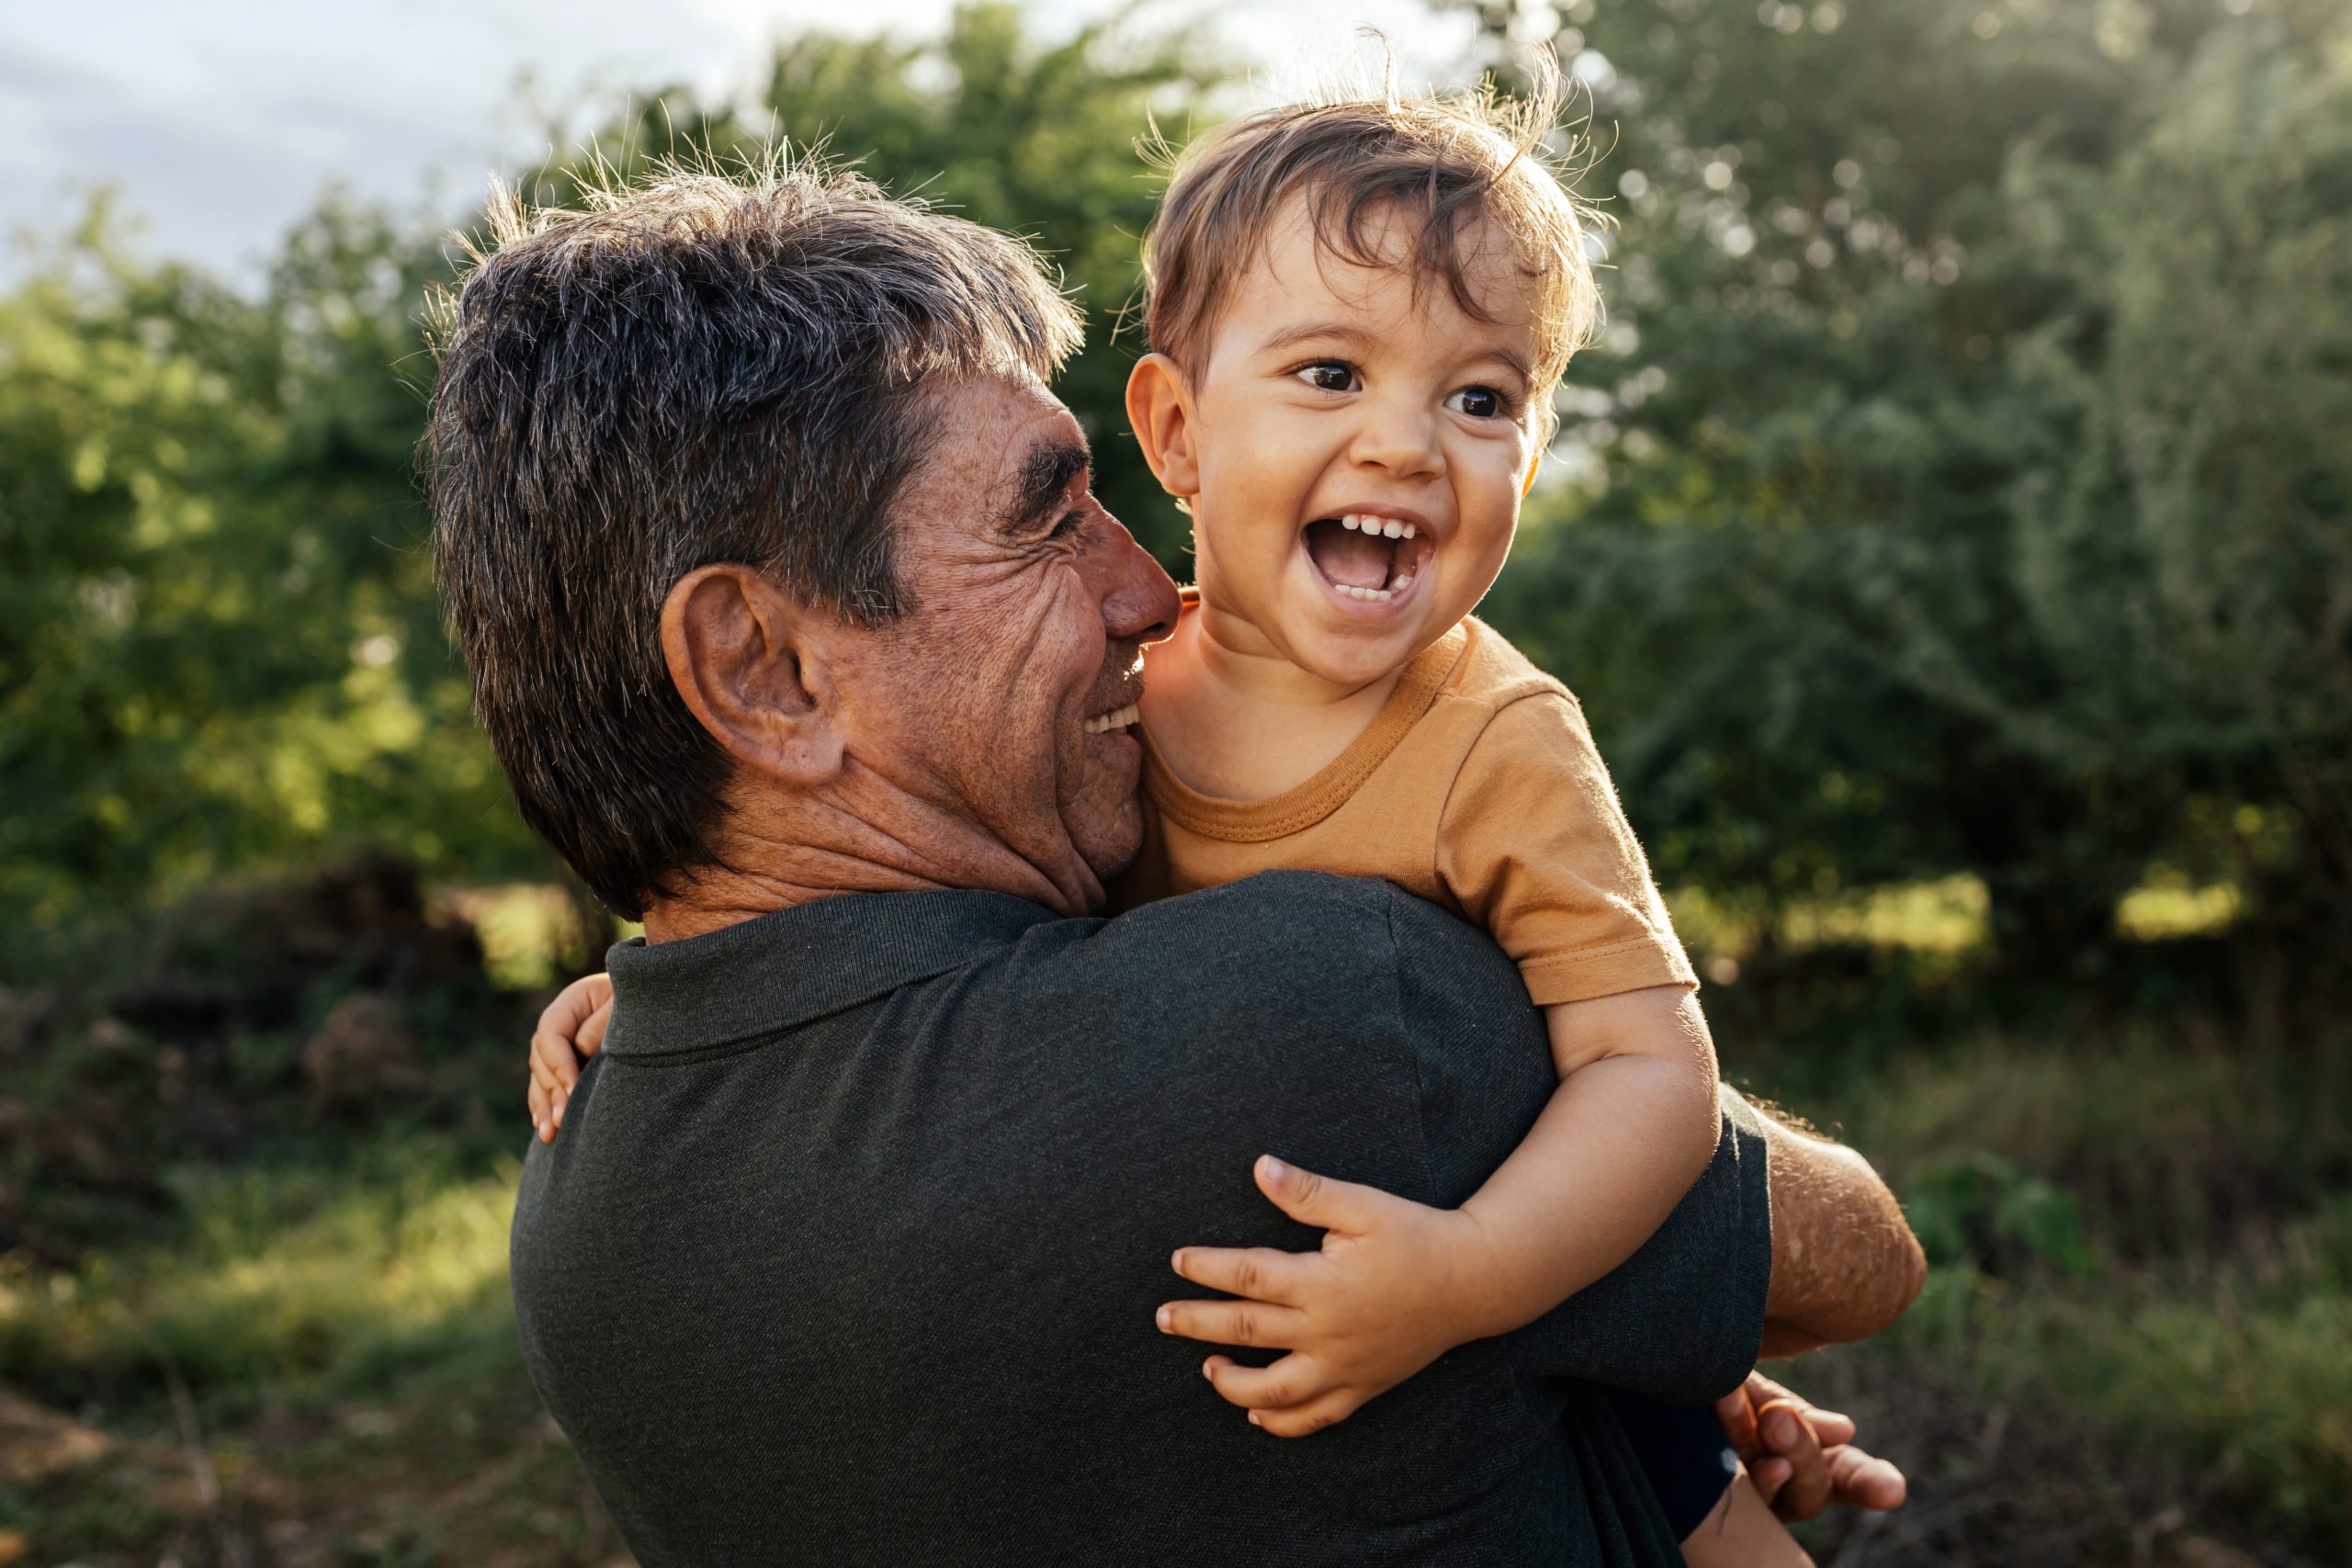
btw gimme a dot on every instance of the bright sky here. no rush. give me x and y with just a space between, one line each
220 123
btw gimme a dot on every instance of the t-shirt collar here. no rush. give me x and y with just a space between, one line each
789 967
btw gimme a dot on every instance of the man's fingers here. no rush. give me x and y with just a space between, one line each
1786 1433
1233 1322
1829 1425
1262 1273
1291 1381
1768 1476
1318 1201
1306 1419
1859 1480
1739 1418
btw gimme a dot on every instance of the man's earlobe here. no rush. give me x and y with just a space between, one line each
745 659
1159 410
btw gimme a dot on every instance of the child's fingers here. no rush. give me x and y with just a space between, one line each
1262 1273
1294 1381
542 1116
1323 1202
1234 1323
554 1053
1306 1419
591 1038
563 1017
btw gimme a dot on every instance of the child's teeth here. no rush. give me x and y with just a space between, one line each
1404 580
1393 530
1408 530
1350 522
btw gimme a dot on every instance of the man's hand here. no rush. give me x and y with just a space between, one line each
1800 1459
1380 1301
569 1031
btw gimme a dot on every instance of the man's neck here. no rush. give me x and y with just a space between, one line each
864 835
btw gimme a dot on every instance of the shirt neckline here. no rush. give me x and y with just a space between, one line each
791 966
1303 804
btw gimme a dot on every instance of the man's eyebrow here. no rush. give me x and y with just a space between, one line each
1043 481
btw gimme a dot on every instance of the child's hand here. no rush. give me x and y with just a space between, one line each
573 1028
1391 1290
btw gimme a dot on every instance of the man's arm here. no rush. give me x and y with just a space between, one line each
1844 1264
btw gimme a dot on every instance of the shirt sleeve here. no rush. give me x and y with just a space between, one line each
1534 846
1683 1319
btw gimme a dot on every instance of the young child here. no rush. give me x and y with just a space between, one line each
1358 313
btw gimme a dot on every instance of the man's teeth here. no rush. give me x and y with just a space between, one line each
1388 528
1117 718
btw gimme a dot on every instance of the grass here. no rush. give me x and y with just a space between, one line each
347 1347
2142 1239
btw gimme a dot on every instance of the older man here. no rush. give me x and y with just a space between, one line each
793 621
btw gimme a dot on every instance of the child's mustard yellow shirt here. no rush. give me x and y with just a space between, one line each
1477 787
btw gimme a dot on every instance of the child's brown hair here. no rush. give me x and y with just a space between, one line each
1356 160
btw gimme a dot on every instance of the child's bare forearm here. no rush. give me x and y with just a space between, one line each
1622 1141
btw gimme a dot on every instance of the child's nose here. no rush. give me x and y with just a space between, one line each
1399 436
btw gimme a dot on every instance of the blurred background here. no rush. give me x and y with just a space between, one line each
1950 537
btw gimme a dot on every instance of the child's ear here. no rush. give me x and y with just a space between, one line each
1160 408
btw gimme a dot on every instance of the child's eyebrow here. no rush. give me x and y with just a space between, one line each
1308 332
1346 332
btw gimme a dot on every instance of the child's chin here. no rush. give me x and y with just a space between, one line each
1355 657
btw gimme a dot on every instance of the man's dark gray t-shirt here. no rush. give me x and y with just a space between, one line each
849 1248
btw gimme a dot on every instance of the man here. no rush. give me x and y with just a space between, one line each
796 626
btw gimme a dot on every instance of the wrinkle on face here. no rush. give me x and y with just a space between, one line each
976 704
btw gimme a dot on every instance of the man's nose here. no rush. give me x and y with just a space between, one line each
1400 435
1139 601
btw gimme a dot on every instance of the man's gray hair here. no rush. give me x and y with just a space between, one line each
700 367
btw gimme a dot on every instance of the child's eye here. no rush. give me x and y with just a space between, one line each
1479 402
1328 376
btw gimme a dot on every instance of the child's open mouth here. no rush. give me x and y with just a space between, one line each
1368 558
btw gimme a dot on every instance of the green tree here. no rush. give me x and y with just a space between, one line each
991 123
219 648
1964 485
218 644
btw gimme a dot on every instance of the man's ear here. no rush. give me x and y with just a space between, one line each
746 659
1160 410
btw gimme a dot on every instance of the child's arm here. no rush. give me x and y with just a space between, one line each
1630 1128
572 1027
1396 1284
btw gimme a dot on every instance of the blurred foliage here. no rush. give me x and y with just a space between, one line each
991 124
1958 497
218 644
1961 484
